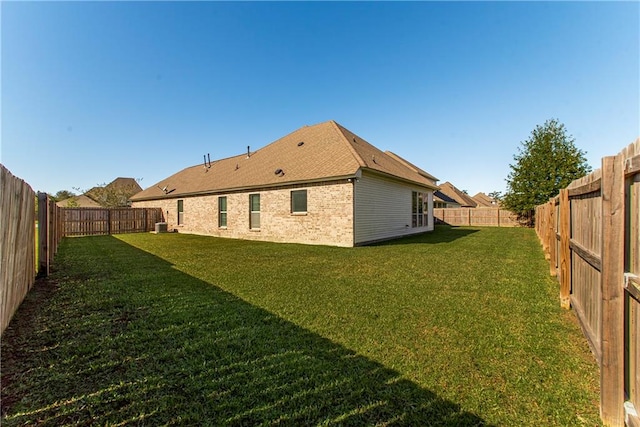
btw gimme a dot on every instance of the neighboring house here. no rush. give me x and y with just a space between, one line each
320 184
81 201
485 201
463 199
441 200
114 194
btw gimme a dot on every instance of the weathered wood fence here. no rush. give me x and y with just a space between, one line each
18 245
20 217
50 232
591 235
96 221
492 217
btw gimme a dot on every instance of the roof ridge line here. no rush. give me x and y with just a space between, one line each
352 150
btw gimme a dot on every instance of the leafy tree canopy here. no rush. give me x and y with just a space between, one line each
545 163
63 195
114 194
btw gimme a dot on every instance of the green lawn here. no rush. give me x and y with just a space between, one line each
461 326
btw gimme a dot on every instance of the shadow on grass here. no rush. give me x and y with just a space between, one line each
441 234
125 338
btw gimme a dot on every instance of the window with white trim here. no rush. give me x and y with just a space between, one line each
222 212
419 209
254 211
180 212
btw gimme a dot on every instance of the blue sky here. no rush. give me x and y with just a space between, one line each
96 90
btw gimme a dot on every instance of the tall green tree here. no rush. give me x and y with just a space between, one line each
62 195
545 163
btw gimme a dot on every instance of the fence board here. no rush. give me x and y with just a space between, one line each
565 250
632 247
613 239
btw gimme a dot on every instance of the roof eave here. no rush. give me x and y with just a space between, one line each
246 188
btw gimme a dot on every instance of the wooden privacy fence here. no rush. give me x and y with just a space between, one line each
591 235
18 245
50 232
96 221
20 242
492 217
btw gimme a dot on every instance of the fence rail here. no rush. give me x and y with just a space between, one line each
492 217
590 234
17 248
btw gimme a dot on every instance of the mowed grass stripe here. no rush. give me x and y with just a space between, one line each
461 326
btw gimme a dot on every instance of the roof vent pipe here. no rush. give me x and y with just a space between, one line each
248 152
207 162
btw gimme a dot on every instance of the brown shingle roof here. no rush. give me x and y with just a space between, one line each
441 197
116 193
463 199
125 184
81 201
325 151
484 200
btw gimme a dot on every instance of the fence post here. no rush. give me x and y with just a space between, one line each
612 276
43 234
52 238
565 251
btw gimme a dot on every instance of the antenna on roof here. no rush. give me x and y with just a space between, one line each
164 189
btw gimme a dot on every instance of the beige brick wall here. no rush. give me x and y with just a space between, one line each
328 221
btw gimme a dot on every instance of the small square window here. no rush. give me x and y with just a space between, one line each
299 201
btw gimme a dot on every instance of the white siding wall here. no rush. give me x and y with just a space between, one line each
383 209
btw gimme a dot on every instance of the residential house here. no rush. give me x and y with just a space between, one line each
460 197
114 194
441 200
320 184
485 201
81 201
